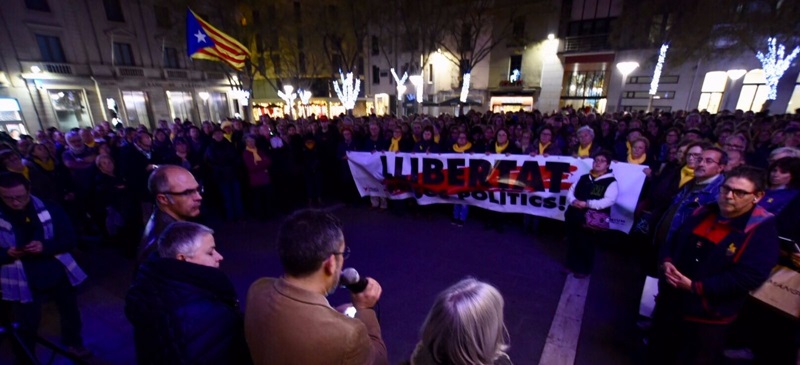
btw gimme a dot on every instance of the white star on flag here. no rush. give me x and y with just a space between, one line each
201 38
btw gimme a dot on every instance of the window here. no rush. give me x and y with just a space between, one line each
40 5
298 11
113 10
794 102
163 19
137 108
430 73
646 95
518 28
712 90
586 84
123 54
648 79
276 64
50 47
181 104
376 47
376 75
754 91
301 60
171 58
515 69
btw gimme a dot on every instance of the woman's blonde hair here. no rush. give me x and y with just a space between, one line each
465 325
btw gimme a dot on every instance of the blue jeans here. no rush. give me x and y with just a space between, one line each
460 212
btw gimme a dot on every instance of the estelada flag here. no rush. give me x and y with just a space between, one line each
203 41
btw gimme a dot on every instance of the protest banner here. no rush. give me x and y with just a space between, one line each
512 184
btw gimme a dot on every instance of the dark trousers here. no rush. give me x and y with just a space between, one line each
232 200
674 340
29 315
770 333
580 250
262 200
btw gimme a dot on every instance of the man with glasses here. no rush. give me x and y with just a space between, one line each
708 267
289 321
177 197
703 189
35 240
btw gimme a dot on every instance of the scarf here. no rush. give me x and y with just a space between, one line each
687 174
228 136
48 166
24 172
500 148
543 147
91 144
636 161
628 146
395 145
458 149
310 144
584 152
254 151
14 282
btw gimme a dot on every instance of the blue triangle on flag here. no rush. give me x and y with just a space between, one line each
196 36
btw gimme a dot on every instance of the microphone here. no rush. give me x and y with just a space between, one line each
352 281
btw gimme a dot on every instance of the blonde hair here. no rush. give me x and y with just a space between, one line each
465 325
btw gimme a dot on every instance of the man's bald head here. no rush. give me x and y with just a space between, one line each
176 192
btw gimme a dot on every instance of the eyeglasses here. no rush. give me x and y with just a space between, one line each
708 161
187 192
734 146
345 254
693 155
738 193
18 198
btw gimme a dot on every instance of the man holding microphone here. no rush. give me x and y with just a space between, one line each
289 321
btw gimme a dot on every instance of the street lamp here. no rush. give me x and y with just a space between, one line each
625 68
734 75
305 98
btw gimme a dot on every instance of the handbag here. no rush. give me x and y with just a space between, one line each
596 220
781 290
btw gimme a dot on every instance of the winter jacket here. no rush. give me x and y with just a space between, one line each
184 313
724 258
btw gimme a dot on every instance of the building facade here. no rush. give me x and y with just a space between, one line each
75 63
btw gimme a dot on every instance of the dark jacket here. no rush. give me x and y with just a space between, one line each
157 223
48 185
370 145
552 149
424 146
223 160
184 313
133 168
725 259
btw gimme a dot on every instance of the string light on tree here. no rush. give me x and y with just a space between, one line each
348 93
417 81
401 83
775 63
465 88
288 95
662 55
305 96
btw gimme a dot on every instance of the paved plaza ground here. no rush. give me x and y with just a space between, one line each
413 257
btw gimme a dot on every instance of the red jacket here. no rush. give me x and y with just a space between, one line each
257 172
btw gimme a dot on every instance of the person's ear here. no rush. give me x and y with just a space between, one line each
329 265
180 257
758 197
163 199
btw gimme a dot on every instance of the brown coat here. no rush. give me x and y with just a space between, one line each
285 325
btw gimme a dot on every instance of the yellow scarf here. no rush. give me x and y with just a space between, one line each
584 152
254 151
636 161
310 144
395 145
50 165
543 147
458 149
25 172
436 138
500 148
91 144
416 139
228 136
687 174
628 145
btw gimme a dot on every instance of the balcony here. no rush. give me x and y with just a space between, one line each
587 43
52 70
176 74
129 72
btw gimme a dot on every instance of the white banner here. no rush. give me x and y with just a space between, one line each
512 184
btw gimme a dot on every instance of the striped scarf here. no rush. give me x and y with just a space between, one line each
12 276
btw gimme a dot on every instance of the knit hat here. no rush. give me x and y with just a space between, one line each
226 124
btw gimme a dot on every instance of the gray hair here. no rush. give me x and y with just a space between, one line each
181 238
789 151
465 325
587 129
306 239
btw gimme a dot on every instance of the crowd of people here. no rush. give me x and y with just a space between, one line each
719 191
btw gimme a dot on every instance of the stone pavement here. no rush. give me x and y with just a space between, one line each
413 257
